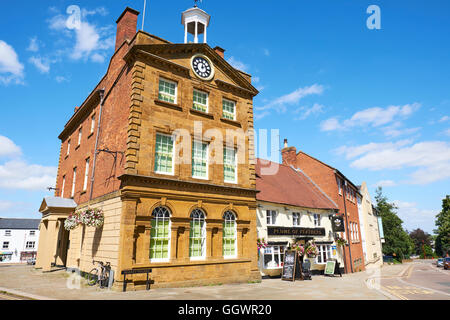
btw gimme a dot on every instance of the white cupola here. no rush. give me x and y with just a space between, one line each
195 22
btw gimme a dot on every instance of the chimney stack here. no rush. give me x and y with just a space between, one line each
289 155
126 26
220 51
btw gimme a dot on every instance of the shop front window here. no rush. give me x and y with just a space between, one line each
273 257
197 235
229 235
324 253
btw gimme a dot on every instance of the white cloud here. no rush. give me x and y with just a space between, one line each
10 65
91 41
5 205
376 117
43 65
237 64
444 119
430 159
61 79
306 112
18 174
330 124
414 217
385 183
34 45
292 98
8 147
259 116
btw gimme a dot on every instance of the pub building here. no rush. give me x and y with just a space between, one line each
291 208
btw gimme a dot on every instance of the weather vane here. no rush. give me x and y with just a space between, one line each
196 1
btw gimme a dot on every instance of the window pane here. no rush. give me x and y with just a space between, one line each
166 91
199 160
200 101
163 153
229 165
228 109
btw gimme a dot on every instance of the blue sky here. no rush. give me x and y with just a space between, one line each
373 103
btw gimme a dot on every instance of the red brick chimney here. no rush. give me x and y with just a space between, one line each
220 51
289 155
126 26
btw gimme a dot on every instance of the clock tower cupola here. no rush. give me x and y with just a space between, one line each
195 22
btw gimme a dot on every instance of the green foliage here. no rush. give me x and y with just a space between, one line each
398 243
442 244
420 238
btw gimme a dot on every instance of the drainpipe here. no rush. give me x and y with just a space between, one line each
346 223
102 93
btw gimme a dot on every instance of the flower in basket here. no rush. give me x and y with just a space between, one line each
92 218
340 241
311 250
261 243
299 248
72 221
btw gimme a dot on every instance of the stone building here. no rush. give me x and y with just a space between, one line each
342 191
164 147
370 232
291 208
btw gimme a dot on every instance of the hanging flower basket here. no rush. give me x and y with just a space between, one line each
299 248
89 217
340 241
261 243
72 221
311 250
92 218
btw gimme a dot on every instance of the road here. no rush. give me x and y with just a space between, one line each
7 296
421 280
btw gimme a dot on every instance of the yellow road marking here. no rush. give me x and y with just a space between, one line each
394 293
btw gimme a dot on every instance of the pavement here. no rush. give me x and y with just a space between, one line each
374 284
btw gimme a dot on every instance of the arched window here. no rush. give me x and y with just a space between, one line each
160 234
197 235
229 235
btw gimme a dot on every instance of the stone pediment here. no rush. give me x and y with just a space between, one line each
178 57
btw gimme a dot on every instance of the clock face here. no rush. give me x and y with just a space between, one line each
202 67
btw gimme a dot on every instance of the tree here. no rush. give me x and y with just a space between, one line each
398 243
420 237
443 228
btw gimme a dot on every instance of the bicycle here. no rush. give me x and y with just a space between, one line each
99 274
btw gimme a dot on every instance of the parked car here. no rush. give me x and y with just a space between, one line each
440 262
446 263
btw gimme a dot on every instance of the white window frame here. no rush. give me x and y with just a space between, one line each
32 233
234 108
30 244
317 218
92 123
207 100
235 166
63 186
80 134
296 217
274 250
7 233
7 245
203 236
68 147
176 89
271 217
74 180
207 160
86 174
339 185
169 238
324 252
235 237
173 154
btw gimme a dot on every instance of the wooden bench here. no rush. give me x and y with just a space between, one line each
135 271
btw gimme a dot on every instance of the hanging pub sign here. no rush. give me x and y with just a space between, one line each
295 231
292 269
337 223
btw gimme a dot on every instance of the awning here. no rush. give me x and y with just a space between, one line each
6 252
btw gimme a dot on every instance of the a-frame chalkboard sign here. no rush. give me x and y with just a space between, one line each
292 268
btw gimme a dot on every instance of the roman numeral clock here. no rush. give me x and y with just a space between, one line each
202 67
